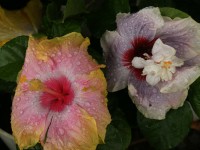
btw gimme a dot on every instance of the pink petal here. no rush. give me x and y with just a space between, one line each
72 129
27 119
92 99
49 75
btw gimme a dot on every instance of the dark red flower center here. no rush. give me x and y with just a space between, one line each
57 94
141 47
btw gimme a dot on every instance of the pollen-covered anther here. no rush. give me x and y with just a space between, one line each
146 56
166 64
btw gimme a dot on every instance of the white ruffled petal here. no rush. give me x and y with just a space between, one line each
182 80
138 62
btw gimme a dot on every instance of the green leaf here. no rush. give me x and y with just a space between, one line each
12 56
66 27
194 96
104 18
167 133
156 3
173 13
74 7
54 12
10 71
118 134
52 29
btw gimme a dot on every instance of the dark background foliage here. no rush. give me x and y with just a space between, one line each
124 127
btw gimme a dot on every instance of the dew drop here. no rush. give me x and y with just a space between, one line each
53 55
39 62
61 131
186 80
16 107
68 110
69 144
87 104
154 91
78 111
29 127
59 53
21 112
78 63
26 70
111 74
90 67
38 75
27 60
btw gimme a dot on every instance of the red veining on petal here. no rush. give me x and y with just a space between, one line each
140 46
57 94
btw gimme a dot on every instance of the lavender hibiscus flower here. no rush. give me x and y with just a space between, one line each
156 57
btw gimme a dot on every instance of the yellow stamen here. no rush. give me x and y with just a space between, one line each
35 85
167 64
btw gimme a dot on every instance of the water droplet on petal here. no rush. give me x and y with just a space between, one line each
61 131
21 112
39 62
59 53
78 63
78 111
16 106
53 55
69 145
27 60
29 127
154 91
87 104
111 74
38 75
186 80
26 70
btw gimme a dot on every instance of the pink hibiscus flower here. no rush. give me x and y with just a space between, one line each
155 56
60 100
